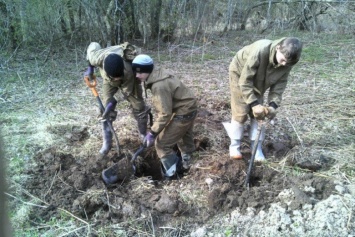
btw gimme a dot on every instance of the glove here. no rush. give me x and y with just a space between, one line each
90 71
110 113
259 112
271 112
149 139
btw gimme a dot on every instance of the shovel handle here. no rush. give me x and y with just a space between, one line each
91 84
252 158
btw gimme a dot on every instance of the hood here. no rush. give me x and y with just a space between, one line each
158 74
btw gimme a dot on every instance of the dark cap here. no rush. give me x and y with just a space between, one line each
113 65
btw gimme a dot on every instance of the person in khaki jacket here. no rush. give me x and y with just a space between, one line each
115 65
176 108
257 67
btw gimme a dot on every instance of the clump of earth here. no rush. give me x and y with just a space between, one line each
211 193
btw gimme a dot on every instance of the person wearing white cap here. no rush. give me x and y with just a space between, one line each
176 108
115 65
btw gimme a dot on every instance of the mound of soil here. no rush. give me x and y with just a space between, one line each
214 184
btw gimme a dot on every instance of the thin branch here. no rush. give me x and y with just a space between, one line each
294 129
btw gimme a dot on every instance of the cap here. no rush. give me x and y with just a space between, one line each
113 65
143 63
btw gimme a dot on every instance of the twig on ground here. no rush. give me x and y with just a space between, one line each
27 203
294 129
151 219
50 187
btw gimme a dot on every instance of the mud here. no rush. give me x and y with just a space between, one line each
214 184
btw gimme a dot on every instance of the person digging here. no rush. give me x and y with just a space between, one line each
115 66
258 67
176 108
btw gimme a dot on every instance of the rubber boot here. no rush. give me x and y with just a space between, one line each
170 165
142 122
259 156
186 160
107 138
235 132
110 175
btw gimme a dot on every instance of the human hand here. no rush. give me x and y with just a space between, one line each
259 112
148 140
89 71
271 112
110 113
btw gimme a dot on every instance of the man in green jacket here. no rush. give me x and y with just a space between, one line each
176 108
257 67
115 65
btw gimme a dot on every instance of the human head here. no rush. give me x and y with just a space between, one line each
113 65
291 49
143 64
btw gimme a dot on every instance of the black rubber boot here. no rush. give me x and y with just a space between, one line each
107 138
186 160
110 175
172 166
142 121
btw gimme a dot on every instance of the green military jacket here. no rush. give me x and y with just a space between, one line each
169 96
96 56
253 70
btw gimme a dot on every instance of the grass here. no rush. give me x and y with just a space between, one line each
317 110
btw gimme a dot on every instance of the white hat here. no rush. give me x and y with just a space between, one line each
143 63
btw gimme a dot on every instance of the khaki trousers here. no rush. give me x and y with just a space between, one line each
178 132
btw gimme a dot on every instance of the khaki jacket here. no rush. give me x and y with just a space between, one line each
169 95
96 56
253 71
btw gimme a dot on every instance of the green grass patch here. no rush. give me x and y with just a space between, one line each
314 54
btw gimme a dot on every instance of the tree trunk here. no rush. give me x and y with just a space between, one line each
155 17
71 15
229 15
23 19
109 25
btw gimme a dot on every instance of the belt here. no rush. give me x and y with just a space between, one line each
185 117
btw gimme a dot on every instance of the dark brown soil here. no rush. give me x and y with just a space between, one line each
215 184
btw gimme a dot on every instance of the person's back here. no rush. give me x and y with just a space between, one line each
170 92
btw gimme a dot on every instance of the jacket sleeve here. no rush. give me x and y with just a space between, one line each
163 104
276 90
246 80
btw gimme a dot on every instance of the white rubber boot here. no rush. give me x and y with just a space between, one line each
235 132
259 156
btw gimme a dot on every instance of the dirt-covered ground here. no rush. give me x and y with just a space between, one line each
293 194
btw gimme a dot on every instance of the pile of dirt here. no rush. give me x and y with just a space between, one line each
213 185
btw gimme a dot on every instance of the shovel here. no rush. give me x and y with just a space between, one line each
252 158
135 155
92 85
121 170
124 168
